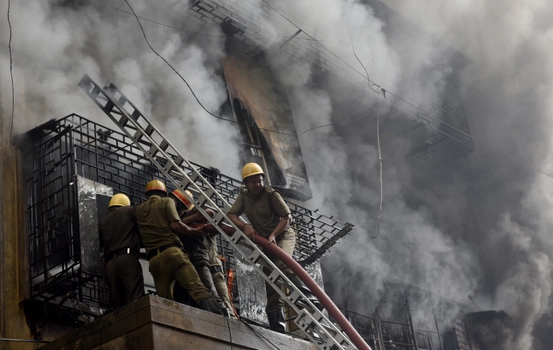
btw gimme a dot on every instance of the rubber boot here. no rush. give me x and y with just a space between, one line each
303 288
276 321
225 311
211 305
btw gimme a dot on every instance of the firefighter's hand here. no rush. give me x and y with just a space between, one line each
198 231
271 239
249 231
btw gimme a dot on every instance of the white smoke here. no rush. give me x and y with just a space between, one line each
507 89
505 260
56 43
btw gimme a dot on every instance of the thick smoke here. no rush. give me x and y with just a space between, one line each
55 43
479 227
476 228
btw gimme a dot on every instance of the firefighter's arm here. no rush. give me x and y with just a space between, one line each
246 228
182 229
197 217
282 224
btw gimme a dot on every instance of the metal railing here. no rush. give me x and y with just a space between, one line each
60 150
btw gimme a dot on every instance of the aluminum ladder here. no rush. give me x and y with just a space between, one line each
316 326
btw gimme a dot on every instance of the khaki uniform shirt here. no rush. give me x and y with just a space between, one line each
154 218
118 230
263 210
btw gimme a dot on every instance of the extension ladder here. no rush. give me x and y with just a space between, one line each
316 326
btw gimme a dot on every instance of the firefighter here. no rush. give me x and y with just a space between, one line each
270 217
195 246
217 274
121 245
160 227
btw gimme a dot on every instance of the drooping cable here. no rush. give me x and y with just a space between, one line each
188 85
380 163
339 58
229 333
410 104
190 31
380 90
259 334
11 69
370 83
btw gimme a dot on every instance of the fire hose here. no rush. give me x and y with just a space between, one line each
328 304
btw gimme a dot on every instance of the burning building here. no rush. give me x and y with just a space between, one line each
69 167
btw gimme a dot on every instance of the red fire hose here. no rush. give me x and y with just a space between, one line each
328 304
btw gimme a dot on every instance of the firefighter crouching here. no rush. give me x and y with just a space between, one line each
120 244
270 217
195 246
159 224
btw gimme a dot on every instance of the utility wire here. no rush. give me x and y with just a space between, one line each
188 85
11 69
370 83
189 31
259 334
380 90
380 162
229 332
340 59
408 103
196 97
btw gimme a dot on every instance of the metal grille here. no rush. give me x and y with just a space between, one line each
388 335
60 150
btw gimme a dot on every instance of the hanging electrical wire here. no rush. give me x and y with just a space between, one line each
380 90
380 163
371 83
11 69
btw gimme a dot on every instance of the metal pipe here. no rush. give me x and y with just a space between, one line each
328 304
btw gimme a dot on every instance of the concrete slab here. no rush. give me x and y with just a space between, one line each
153 323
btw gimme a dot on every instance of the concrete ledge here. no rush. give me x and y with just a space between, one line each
156 323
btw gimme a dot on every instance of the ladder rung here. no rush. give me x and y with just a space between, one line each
254 256
137 135
179 160
184 183
274 275
149 130
294 296
218 217
135 115
169 166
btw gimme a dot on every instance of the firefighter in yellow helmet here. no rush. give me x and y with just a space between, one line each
160 226
270 217
195 246
120 245
205 256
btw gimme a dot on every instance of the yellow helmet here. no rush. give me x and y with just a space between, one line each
156 185
251 169
119 200
181 197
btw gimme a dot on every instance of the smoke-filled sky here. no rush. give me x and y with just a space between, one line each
478 227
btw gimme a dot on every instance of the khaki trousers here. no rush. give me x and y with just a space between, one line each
125 279
221 285
173 264
286 243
